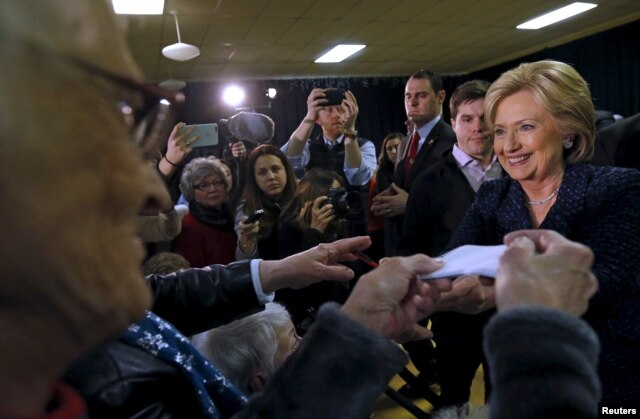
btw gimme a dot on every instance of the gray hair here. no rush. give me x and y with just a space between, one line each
246 346
465 411
198 169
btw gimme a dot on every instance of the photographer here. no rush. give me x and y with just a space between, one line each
339 148
311 219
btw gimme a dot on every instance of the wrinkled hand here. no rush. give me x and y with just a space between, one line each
321 214
320 263
350 107
238 150
390 202
470 294
391 299
541 267
179 143
315 102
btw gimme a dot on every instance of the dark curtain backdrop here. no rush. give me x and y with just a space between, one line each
609 61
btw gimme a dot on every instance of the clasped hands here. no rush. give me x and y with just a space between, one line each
390 202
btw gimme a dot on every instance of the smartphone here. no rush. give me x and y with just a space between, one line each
208 134
254 217
334 96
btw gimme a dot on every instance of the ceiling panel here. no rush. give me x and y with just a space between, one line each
281 38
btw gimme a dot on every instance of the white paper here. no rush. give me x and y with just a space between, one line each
469 260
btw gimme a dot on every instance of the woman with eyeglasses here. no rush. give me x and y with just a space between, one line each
269 187
207 235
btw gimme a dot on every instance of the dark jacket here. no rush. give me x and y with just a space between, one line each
320 156
542 365
339 360
440 197
440 140
122 381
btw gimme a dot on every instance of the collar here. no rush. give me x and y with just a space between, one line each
426 128
464 159
331 144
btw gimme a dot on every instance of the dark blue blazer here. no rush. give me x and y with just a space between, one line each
598 207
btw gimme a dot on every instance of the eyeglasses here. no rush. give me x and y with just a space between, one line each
150 124
205 187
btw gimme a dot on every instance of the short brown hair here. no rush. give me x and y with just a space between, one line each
467 92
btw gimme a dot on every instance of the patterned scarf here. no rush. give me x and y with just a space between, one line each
218 397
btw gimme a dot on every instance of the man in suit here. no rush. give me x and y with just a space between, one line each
338 148
439 198
618 144
423 98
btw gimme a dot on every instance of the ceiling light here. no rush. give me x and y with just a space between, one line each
138 7
180 51
557 15
339 53
172 84
233 95
271 93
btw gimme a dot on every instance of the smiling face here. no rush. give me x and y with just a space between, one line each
270 175
527 140
472 132
421 103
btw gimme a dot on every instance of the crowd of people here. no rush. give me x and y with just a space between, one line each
200 336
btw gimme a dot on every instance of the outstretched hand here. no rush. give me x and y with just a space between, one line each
391 299
320 263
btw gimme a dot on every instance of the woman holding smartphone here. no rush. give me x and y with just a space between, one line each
270 186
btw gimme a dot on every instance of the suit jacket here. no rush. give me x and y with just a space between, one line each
618 144
440 139
598 207
439 198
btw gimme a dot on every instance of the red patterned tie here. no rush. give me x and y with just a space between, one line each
410 158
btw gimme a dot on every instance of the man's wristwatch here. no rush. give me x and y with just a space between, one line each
351 134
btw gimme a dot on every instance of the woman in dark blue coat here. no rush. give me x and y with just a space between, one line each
543 120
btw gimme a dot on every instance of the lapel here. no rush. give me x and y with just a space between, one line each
570 204
424 151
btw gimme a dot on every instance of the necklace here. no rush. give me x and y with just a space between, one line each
545 200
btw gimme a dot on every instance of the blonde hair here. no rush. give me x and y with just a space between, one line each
561 91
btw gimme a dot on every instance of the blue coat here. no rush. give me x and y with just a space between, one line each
599 207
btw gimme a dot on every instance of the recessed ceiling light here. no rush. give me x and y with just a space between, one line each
557 15
339 53
138 7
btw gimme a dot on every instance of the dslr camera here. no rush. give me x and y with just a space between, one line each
346 205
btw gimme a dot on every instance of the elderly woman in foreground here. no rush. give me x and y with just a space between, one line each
543 120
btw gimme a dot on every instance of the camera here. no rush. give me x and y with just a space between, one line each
334 96
345 204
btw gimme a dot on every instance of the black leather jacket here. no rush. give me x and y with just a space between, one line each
121 381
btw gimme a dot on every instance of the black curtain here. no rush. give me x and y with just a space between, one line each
609 61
